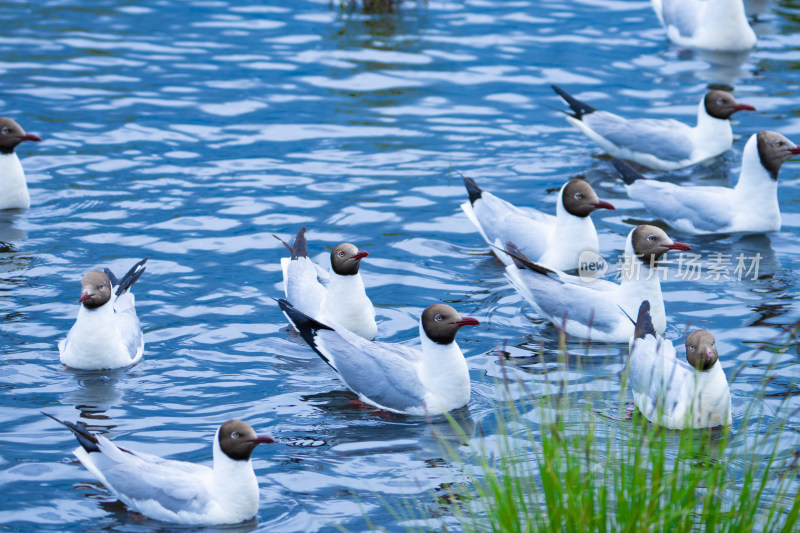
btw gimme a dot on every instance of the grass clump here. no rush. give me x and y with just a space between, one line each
557 464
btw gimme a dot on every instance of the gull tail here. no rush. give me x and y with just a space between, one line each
87 440
644 324
130 277
299 248
580 108
626 171
473 190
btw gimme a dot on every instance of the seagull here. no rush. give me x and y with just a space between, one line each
395 377
13 187
597 309
660 144
106 333
749 207
553 241
670 392
717 25
178 491
342 299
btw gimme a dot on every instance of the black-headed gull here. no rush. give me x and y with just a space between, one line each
719 25
341 299
660 144
749 207
674 393
177 491
392 376
551 241
13 186
597 309
106 333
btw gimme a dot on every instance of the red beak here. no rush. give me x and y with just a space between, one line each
743 107
30 137
604 205
360 255
262 440
678 246
85 296
467 321
795 150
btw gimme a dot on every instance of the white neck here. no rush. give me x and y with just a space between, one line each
639 282
571 236
711 136
13 187
444 372
234 485
757 191
347 303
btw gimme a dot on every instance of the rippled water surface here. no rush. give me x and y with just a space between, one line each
193 131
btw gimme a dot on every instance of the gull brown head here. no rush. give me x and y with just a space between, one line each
95 289
774 150
441 323
701 349
580 200
346 259
650 243
721 104
237 440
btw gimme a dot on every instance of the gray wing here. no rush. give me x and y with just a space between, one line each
135 477
557 297
668 138
383 373
657 374
707 208
501 221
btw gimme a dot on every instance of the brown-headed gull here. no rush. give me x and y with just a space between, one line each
660 144
749 207
552 241
341 299
597 309
106 333
392 376
673 393
13 186
718 25
178 491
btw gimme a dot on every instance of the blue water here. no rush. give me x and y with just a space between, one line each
192 131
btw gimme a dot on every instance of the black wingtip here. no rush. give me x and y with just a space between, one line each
111 277
301 321
87 440
626 171
305 325
473 190
522 261
580 108
299 249
644 324
131 276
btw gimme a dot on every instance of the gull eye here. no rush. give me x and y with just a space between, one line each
691 348
4 130
651 238
235 435
340 253
578 196
438 317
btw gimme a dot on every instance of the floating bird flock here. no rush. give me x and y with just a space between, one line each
334 316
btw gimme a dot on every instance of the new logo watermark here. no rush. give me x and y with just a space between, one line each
591 266
688 266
